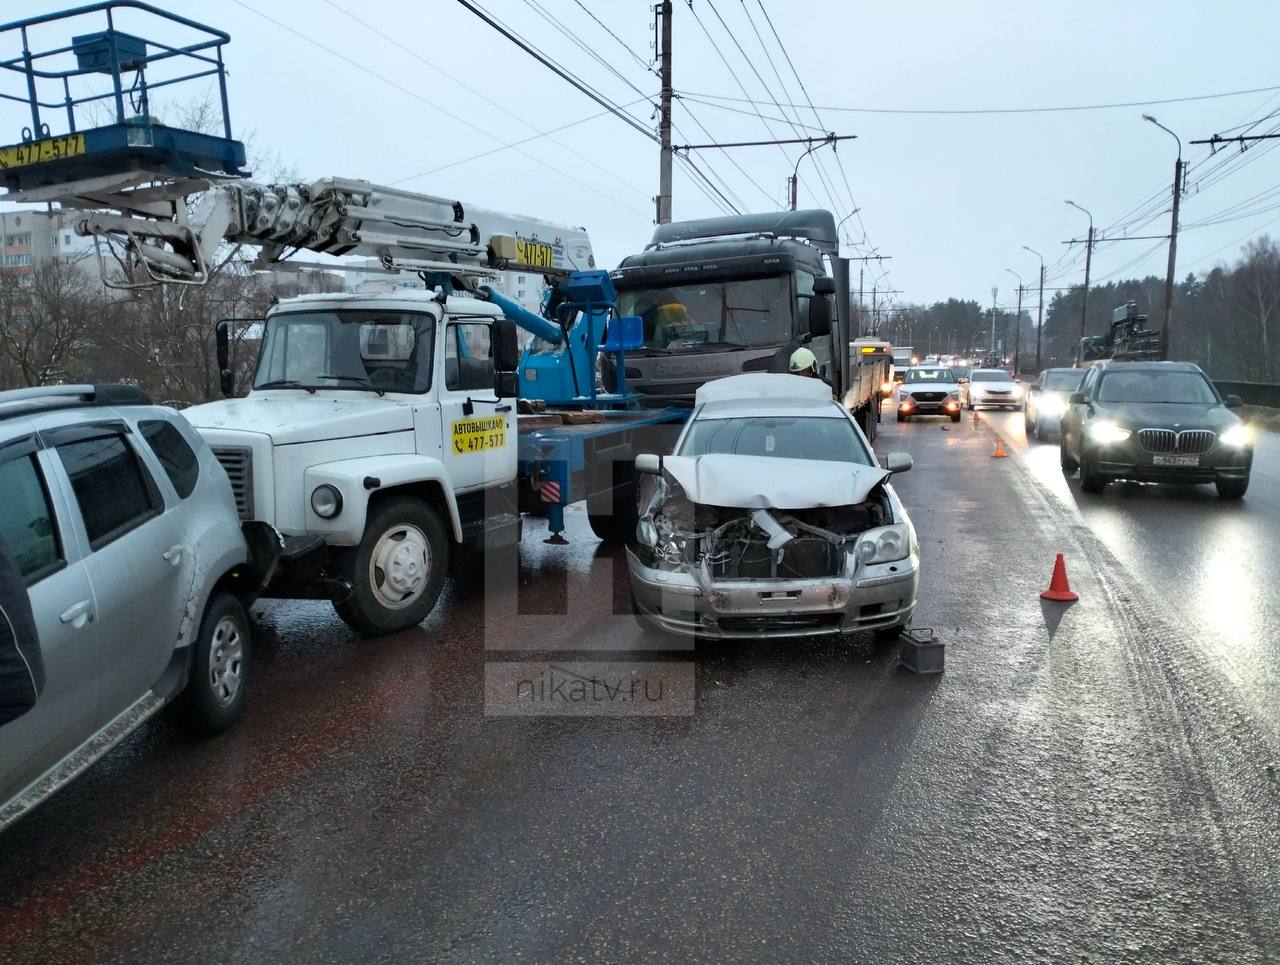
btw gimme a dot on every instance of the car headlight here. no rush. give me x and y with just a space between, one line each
1051 405
326 501
885 544
1107 433
1237 437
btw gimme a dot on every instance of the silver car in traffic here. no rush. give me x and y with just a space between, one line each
772 518
123 528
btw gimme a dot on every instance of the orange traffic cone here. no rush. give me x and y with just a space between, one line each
975 416
1059 589
999 453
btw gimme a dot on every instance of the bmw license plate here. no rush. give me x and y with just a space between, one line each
1192 461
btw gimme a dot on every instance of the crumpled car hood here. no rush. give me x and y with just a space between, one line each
765 482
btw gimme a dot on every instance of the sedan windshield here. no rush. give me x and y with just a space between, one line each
784 437
1068 381
713 315
1154 386
380 351
991 375
929 375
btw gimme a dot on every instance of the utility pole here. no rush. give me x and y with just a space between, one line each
994 291
1040 314
1173 241
1088 261
1167 324
663 11
861 305
1017 332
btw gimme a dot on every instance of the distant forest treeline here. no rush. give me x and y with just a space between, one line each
1227 321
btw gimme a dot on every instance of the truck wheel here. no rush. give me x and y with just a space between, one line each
618 527
213 698
398 570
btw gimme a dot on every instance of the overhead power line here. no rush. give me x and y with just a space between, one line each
1007 110
428 102
497 105
558 70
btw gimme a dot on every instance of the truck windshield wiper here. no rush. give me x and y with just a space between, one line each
359 380
286 384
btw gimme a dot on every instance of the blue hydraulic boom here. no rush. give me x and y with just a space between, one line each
559 365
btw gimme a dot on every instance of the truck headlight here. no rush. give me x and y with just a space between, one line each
326 501
1237 437
885 544
1107 433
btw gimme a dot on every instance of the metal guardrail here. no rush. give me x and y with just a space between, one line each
1253 393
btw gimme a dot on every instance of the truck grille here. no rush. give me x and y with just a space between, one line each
1189 441
238 462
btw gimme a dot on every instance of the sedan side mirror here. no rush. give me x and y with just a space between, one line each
897 462
649 462
1076 398
1234 401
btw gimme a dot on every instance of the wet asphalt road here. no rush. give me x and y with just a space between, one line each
1097 782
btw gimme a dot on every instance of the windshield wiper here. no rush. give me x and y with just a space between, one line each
360 380
649 350
286 384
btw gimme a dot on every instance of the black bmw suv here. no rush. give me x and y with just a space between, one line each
1155 422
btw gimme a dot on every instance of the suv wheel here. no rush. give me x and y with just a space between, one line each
1232 488
398 570
1091 481
214 696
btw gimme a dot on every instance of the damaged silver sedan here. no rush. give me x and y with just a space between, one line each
772 518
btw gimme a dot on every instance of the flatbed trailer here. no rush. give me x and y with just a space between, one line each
560 464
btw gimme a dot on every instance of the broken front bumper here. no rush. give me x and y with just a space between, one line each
687 600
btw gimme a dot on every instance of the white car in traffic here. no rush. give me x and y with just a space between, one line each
772 518
991 388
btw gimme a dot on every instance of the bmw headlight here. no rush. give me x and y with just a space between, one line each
885 544
1107 433
1052 405
326 501
1237 437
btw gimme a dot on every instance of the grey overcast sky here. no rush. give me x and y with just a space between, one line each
951 197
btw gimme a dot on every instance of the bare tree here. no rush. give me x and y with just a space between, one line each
47 321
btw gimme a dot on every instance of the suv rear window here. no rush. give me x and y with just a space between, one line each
110 486
26 525
176 456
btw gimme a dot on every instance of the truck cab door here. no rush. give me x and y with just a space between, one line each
477 429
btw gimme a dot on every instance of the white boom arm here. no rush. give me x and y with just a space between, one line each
404 230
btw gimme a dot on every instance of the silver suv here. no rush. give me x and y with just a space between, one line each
124 530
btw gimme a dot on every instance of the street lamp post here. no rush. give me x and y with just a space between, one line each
1088 260
1040 312
1173 241
795 174
1017 322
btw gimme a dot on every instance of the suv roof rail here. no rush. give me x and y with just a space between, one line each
42 398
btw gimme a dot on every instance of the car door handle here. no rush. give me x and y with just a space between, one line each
78 614
173 554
